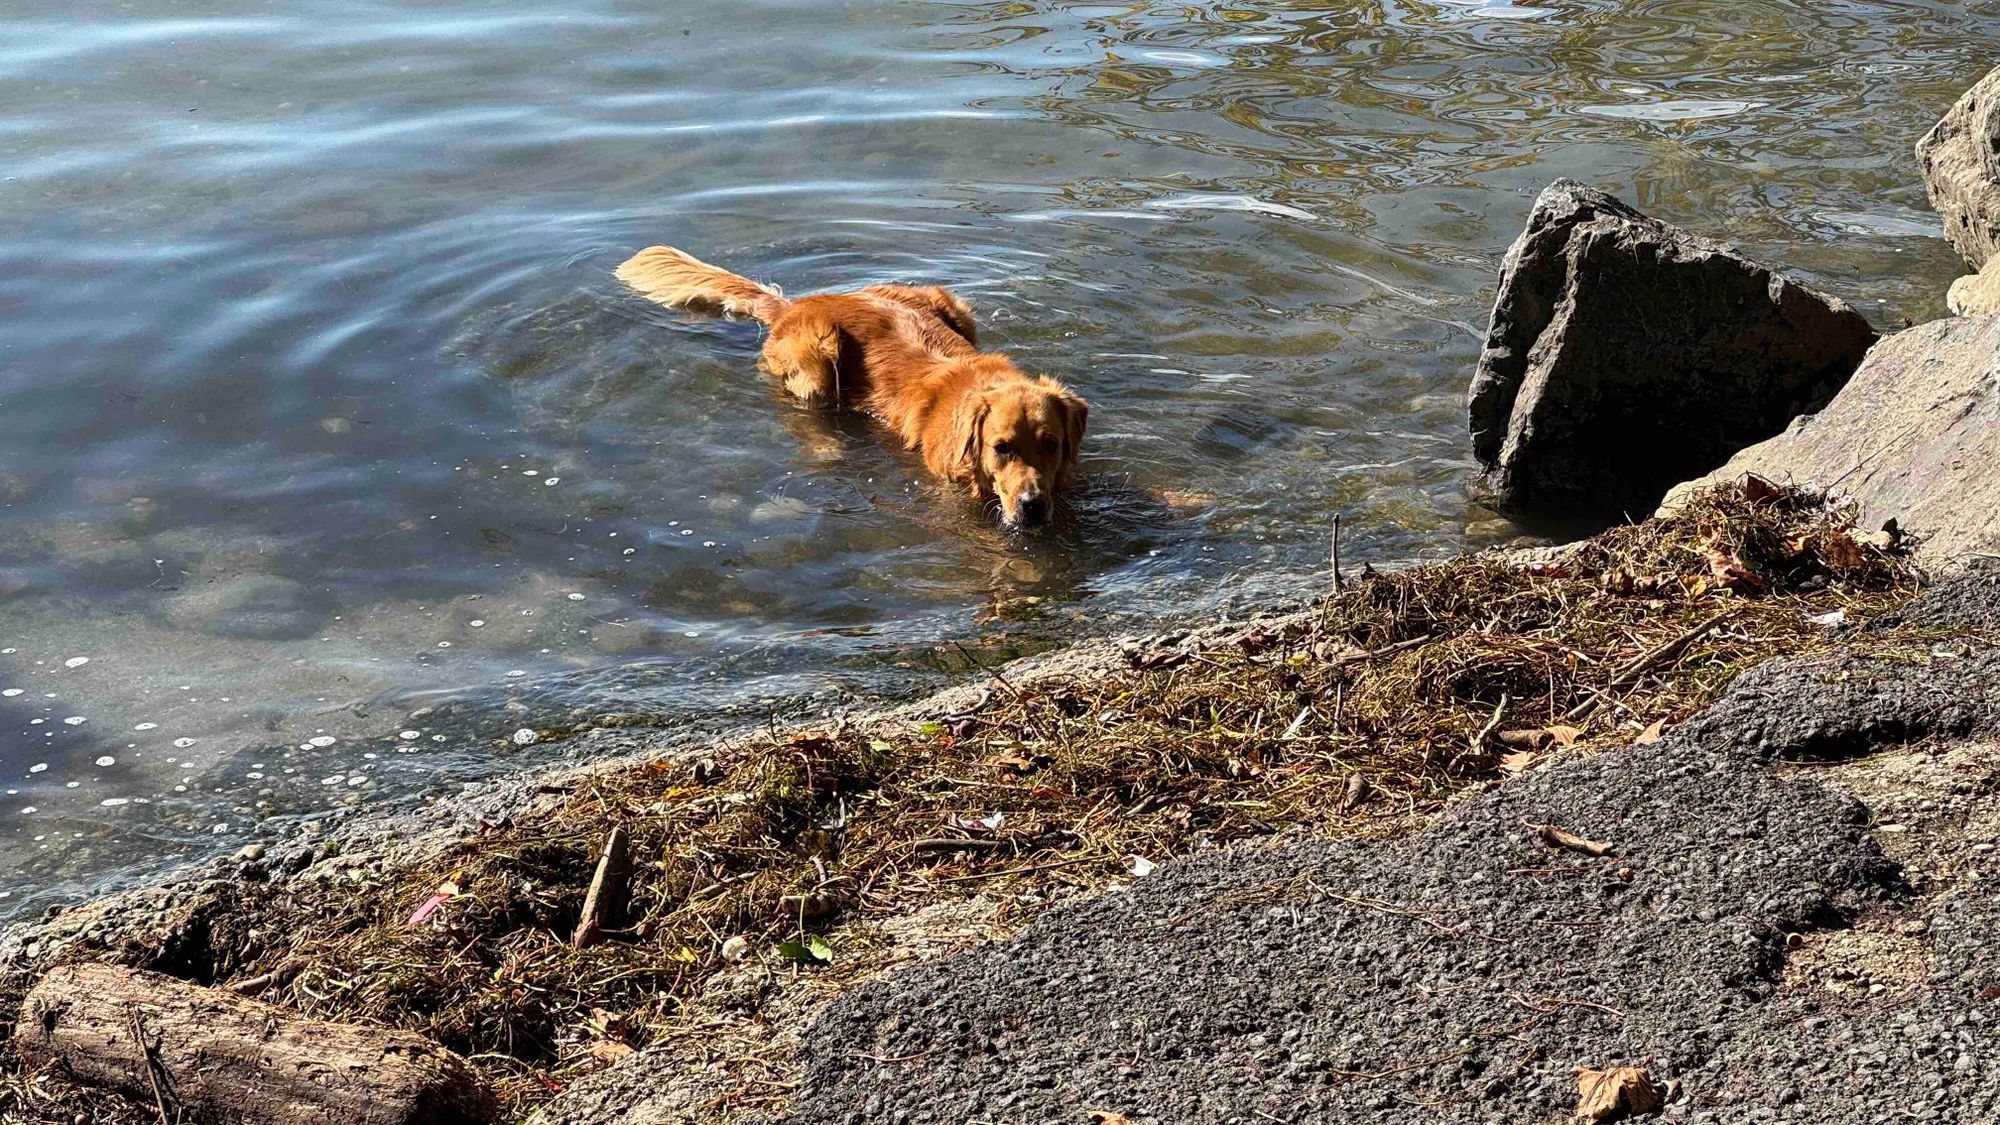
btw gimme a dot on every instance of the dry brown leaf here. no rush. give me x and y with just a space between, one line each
1257 640
1844 551
1106 1117
1615 1092
609 1050
1559 838
1563 735
1757 490
1518 761
1729 572
1617 581
1651 733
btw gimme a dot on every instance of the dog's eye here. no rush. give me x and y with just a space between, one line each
1048 443
1003 448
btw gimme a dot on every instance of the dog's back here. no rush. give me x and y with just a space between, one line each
909 355
828 348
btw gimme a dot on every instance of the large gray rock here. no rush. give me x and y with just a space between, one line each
1626 354
1914 437
1961 159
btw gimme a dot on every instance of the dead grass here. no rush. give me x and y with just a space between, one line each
1398 693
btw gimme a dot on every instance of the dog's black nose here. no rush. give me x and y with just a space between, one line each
1034 509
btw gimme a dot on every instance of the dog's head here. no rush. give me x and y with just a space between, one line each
1019 442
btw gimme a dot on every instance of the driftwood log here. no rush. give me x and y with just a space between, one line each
217 1058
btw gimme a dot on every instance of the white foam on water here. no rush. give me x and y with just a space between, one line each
1675 109
1207 201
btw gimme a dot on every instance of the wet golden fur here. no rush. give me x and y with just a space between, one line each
910 356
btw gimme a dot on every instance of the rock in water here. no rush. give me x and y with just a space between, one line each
215 1056
1961 159
259 606
1915 437
1626 355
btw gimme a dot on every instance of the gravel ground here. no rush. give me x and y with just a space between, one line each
1460 974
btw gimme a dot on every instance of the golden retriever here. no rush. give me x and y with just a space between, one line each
909 356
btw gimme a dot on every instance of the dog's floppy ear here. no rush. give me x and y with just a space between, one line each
1076 416
957 457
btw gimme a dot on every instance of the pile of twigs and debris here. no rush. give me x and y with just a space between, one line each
1357 717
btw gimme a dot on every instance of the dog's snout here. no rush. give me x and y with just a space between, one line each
1034 507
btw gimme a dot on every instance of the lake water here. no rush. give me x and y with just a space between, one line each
331 454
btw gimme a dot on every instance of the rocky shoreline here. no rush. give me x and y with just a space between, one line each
1771 895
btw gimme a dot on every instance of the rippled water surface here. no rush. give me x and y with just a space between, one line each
331 454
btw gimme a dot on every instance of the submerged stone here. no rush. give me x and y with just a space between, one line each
258 606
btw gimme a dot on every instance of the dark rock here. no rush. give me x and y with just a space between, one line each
1961 159
1915 437
1626 355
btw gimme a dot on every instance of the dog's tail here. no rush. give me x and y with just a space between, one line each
674 277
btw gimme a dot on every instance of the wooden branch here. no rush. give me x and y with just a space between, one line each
1646 663
952 845
1492 724
604 904
1561 838
153 1067
210 1056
